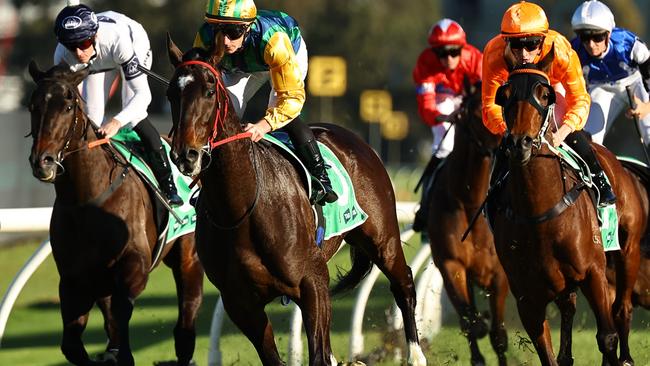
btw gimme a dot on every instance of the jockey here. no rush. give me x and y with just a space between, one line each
526 38
260 47
612 59
439 75
111 44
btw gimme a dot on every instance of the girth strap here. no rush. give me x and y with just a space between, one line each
567 201
99 200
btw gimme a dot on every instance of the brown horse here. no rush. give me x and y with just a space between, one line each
102 232
546 229
255 229
458 193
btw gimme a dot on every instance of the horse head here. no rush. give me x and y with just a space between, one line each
527 99
200 105
56 113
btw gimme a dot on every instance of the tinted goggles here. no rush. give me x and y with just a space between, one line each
82 45
232 31
596 37
529 44
444 52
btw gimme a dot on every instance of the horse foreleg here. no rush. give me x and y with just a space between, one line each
131 279
316 311
456 283
250 318
532 313
188 275
75 305
627 268
595 290
498 335
567 304
110 327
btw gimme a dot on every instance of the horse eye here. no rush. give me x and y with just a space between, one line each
68 108
210 92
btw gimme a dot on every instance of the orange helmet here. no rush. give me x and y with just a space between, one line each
524 19
447 32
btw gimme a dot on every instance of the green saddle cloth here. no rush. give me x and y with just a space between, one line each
607 216
124 141
343 215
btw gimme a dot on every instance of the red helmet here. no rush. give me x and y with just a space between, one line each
446 33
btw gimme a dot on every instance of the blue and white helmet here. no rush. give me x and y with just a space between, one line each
75 23
592 15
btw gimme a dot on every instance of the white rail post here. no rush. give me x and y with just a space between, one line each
214 350
295 338
19 282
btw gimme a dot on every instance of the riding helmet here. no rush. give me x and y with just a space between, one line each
75 23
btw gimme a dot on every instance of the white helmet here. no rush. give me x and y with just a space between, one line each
593 15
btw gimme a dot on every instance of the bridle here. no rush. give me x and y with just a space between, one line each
220 114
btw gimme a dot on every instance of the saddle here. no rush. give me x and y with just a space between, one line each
170 225
332 219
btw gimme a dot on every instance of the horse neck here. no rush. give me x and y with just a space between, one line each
536 186
87 171
470 169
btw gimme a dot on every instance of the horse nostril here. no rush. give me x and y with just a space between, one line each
527 142
47 160
192 155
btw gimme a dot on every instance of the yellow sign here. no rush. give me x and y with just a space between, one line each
375 105
327 76
395 126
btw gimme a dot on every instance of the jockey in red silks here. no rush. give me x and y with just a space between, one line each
439 76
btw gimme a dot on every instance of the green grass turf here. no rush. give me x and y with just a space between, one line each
33 331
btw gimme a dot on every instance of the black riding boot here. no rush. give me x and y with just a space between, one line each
579 142
310 154
160 166
421 215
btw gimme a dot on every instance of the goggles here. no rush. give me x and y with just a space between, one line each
82 45
232 31
530 44
444 52
596 37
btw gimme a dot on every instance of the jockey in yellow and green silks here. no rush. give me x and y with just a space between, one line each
263 46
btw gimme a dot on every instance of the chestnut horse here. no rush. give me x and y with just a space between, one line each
458 193
546 228
102 232
255 230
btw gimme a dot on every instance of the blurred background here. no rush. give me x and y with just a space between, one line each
372 46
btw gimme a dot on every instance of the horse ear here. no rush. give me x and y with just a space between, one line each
35 72
547 61
78 76
175 54
218 49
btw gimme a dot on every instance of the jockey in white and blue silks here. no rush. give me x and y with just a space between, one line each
612 58
109 45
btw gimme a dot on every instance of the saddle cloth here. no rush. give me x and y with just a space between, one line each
607 216
128 144
341 216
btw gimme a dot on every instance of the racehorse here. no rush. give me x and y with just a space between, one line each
546 227
458 192
255 229
102 232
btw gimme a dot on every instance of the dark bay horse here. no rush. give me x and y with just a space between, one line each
102 233
458 193
255 231
546 229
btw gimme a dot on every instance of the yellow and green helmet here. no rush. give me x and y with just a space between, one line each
230 11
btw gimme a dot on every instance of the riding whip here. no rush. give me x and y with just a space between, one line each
153 75
630 98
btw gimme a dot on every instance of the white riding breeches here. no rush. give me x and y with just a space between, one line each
608 101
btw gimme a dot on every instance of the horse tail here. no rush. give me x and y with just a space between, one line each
361 266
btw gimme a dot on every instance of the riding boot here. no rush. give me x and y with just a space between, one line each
322 191
161 169
421 215
579 142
